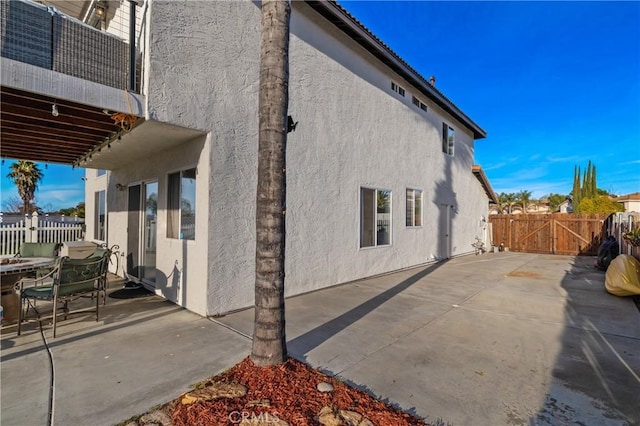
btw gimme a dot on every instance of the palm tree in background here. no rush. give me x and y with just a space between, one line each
26 175
269 342
524 198
506 201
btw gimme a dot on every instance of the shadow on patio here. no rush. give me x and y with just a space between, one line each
142 352
595 378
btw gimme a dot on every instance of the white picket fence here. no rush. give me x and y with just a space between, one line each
32 229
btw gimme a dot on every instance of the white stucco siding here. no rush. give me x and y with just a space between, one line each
203 62
181 265
353 132
203 74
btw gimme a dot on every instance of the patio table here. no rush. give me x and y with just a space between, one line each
12 270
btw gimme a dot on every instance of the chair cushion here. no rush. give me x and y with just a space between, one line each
38 249
41 292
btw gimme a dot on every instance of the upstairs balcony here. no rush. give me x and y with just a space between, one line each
70 82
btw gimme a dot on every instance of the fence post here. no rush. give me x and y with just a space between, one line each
33 230
27 225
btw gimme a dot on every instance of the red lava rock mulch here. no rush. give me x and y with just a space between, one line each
287 392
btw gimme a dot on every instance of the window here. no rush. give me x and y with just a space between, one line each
181 205
100 172
417 102
100 208
375 217
414 208
399 90
448 139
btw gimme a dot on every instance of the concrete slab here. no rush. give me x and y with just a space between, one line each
497 339
142 353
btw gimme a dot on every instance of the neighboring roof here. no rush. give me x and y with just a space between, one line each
353 28
479 173
629 197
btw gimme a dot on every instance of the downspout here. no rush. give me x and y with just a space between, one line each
132 45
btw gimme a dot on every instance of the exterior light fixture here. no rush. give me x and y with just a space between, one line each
101 11
54 110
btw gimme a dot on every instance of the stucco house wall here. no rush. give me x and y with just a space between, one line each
202 72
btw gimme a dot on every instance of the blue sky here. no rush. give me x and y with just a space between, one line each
61 186
554 84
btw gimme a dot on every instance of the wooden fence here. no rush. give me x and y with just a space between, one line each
559 233
34 230
618 224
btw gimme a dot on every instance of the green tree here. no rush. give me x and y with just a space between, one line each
80 209
26 175
600 204
508 200
555 200
576 192
524 199
587 191
269 342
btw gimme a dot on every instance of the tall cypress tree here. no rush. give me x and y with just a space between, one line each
586 180
594 186
577 191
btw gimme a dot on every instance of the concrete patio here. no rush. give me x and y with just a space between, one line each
498 339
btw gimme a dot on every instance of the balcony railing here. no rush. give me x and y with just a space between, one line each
46 38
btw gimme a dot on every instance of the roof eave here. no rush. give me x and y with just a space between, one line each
484 181
343 20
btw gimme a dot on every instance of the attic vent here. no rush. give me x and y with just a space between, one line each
399 90
417 102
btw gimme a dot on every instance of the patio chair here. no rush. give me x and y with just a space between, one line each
101 251
38 250
69 280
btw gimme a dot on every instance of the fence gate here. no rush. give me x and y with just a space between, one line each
567 234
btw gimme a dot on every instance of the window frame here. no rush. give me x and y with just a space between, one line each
448 139
376 231
175 212
417 102
410 220
395 87
100 215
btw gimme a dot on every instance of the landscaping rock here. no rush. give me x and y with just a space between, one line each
351 418
214 391
325 387
155 418
329 416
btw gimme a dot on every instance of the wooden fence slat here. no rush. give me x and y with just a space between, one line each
575 234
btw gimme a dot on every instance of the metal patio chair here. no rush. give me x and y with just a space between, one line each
69 280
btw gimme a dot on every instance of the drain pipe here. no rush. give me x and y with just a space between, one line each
132 45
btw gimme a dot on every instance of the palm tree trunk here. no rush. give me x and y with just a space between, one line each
269 341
